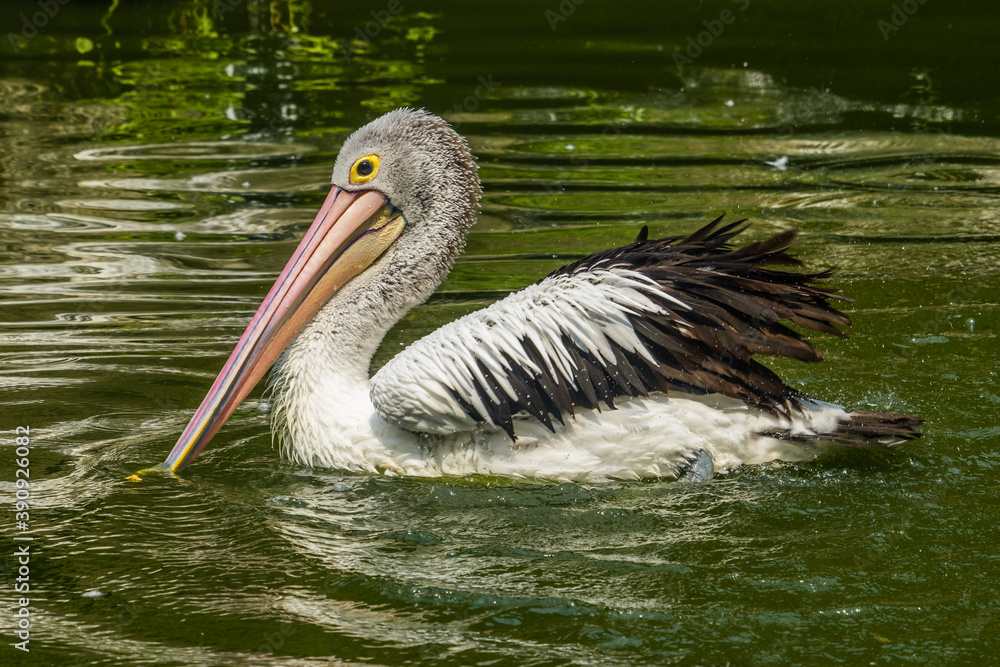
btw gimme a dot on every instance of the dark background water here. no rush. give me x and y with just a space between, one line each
159 160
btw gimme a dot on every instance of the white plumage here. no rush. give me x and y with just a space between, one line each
416 389
327 420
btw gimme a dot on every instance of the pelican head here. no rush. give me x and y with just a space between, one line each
405 192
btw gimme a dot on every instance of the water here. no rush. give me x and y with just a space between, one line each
158 162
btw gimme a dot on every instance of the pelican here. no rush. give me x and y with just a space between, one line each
634 362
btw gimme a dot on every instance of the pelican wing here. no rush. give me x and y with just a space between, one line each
683 314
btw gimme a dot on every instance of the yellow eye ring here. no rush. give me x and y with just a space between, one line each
364 170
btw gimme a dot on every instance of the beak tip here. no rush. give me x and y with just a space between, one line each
164 469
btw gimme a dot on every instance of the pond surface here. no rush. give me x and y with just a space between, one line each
158 162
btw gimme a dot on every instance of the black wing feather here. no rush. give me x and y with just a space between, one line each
735 309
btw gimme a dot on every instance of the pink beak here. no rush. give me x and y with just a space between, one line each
351 231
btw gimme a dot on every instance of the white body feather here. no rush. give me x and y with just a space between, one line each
406 422
415 388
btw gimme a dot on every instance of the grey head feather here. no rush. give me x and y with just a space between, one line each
426 169
427 172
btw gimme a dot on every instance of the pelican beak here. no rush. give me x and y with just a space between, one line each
350 232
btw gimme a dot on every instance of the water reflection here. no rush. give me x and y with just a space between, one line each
155 185
195 150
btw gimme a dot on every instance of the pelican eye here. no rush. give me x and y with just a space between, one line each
364 169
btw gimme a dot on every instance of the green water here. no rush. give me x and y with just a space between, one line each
158 162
